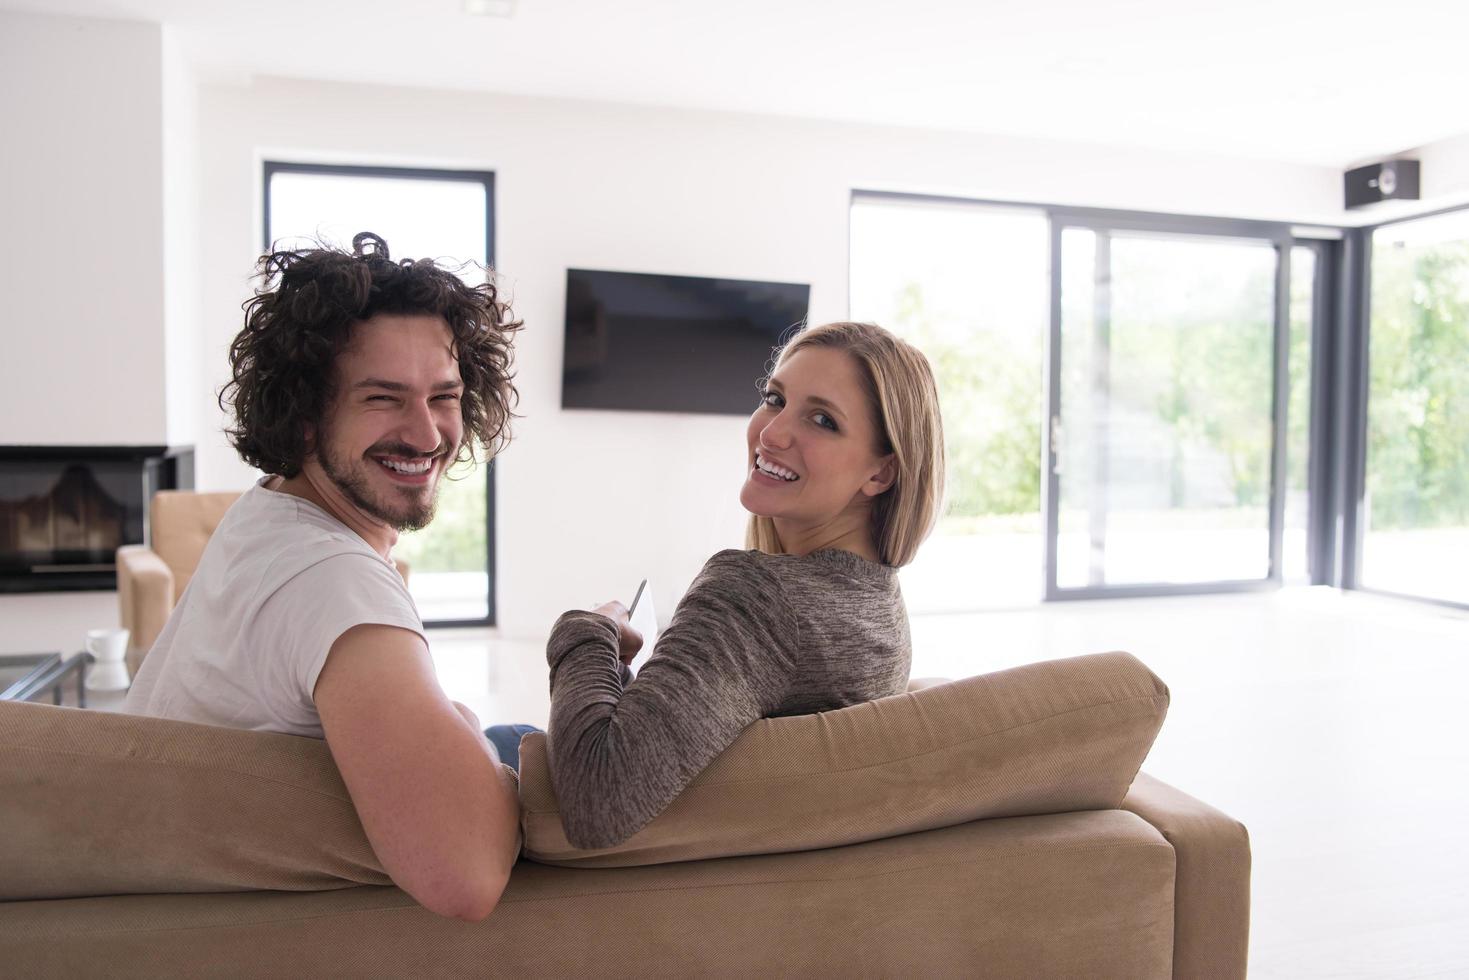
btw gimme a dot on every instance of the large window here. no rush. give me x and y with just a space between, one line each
1146 404
1165 423
445 215
1415 513
967 285
1126 397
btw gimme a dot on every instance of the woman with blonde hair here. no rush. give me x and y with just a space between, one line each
845 480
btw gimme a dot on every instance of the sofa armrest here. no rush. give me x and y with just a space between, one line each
144 599
1211 896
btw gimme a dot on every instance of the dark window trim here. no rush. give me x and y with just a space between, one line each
272 167
1111 217
1321 510
1265 234
1356 331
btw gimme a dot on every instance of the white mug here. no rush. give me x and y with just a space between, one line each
110 671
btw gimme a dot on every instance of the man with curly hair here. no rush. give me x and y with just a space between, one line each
357 381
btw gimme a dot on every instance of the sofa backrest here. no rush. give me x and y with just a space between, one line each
180 525
95 803
1044 738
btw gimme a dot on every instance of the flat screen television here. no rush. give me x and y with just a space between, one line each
652 343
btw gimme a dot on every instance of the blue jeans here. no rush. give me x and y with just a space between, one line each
506 740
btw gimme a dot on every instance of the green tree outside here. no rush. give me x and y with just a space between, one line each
455 541
1418 419
990 394
1209 380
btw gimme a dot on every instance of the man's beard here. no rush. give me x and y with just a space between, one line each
412 513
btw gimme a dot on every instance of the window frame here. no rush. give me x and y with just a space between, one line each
1353 384
269 168
1321 488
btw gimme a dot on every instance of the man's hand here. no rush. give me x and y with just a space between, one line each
441 815
629 640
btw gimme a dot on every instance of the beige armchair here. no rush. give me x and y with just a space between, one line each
150 580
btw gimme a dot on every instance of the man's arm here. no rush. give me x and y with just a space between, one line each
438 810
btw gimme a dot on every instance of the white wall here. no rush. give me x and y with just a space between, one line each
82 337
589 502
1445 171
183 380
54 622
81 254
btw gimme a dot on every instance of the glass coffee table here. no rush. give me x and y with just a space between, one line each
28 676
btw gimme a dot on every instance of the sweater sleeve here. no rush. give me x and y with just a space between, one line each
620 754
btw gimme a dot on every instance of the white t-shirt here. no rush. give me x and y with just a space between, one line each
279 581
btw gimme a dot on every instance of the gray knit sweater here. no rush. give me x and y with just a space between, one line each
756 636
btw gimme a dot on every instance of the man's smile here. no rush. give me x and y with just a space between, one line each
408 471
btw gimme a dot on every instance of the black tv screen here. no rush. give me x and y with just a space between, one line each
672 343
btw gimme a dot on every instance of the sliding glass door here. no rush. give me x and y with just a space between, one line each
1128 399
1415 510
1164 431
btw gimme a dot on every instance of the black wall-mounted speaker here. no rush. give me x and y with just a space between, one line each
1390 180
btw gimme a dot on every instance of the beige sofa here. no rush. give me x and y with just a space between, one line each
151 578
995 826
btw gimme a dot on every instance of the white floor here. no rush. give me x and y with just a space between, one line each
1332 725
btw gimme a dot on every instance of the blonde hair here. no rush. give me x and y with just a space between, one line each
905 409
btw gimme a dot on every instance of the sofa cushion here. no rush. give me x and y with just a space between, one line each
1069 895
1045 738
94 803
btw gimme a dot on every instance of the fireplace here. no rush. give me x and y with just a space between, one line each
65 510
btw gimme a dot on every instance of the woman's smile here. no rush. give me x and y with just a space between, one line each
773 471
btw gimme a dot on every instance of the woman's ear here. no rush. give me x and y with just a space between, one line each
883 479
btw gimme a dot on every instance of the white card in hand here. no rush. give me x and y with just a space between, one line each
645 621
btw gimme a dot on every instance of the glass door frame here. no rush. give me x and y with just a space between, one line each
1281 238
1336 477
1352 388
1321 480
271 167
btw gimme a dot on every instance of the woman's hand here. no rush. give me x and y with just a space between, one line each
629 640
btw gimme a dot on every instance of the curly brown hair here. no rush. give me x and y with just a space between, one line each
301 318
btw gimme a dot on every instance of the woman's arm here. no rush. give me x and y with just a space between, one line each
619 755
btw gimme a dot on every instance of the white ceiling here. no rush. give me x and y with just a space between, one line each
1329 82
